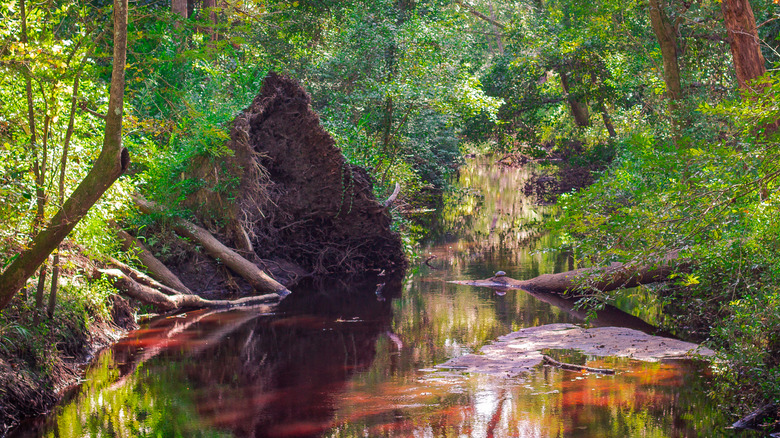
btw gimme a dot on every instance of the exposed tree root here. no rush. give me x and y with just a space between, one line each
241 266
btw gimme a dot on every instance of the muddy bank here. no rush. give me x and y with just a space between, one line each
27 391
519 352
568 166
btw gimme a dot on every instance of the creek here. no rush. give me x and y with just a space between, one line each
355 358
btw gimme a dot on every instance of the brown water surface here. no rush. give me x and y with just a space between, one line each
351 359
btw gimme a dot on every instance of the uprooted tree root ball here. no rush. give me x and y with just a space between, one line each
286 197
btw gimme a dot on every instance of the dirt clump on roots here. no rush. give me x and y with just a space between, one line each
286 198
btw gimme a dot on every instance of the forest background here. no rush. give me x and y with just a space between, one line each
669 106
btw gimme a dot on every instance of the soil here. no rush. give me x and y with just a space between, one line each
519 352
287 199
568 167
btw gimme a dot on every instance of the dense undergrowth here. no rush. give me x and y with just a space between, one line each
714 201
406 88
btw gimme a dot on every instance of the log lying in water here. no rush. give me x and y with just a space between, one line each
166 303
241 266
606 278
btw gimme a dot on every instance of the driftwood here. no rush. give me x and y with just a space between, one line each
156 268
606 278
754 419
166 303
572 367
241 266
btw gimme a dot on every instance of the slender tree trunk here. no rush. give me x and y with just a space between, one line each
210 6
607 119
111 163
499 40
55 269
579 110
666 33
743 38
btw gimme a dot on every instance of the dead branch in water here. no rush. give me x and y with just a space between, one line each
167 303
241 266
156 268
572 367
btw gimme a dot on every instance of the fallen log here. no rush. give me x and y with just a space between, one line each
144 279
156 268
582 280
241 266
754 419
167 303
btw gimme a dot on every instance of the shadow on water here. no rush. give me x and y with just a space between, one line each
339 359
234 373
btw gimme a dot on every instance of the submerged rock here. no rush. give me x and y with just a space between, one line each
521 351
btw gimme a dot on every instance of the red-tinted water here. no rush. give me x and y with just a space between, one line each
338 360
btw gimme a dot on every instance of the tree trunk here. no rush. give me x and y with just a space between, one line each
111 163
743 37
666 33
55 269
157 269
241 266
167 303
572 282
607 120
579 110
210 7
179 7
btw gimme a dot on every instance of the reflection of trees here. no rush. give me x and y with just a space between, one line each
247 373
489 220
282 376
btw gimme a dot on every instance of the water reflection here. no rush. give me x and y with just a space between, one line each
340 360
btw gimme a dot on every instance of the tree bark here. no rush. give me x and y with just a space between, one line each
743 37
167 303
179 7
579 109
111 163
241 266
157 269
576 281
666 33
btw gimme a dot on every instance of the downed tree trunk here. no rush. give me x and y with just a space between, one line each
606 278
166 303
144 279
156 268
243 267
